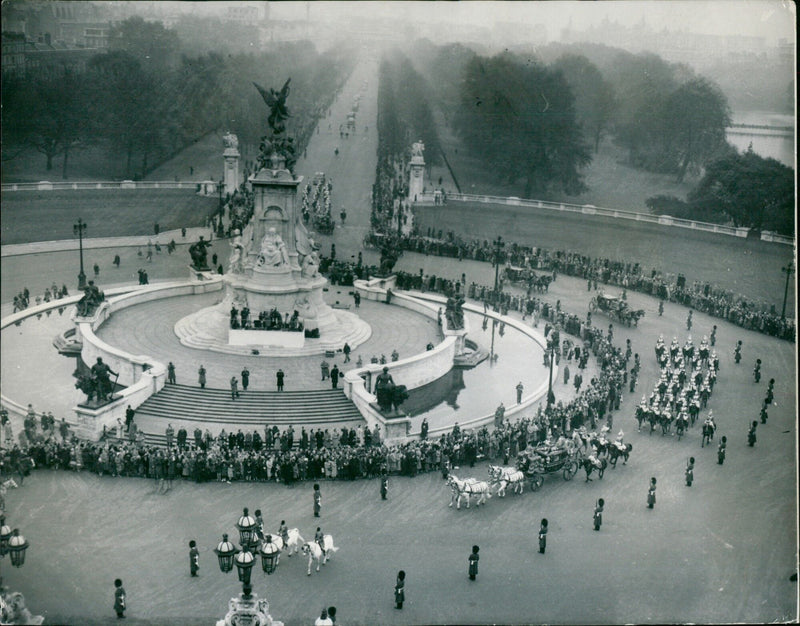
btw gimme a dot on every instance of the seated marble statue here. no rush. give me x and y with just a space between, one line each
273 250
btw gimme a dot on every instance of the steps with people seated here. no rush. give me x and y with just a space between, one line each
251 409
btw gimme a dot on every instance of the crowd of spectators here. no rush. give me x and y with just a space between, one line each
701 296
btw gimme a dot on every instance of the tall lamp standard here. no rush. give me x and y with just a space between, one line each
79 229
550 396
499 244
788 270
13 544
228 555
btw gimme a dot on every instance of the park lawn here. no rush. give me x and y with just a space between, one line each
611 183
745 266
49 215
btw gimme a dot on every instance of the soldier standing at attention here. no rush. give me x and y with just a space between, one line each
399 590
519 392
384 486
245 378
279 379
473 562
119 598
651 493
723 444
598 513
171 373
194 558
690 472
543 536
317 500
201 377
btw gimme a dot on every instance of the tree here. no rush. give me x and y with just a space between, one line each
750 190
595 100
132 118
693 122
57 115
520 117
154 46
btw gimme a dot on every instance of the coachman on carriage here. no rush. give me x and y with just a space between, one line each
546 459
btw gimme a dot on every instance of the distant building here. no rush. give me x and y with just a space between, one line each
13 54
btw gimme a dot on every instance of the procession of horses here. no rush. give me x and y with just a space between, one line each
593 452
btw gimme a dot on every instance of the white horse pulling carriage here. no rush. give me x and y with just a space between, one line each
505 476
292 544
467 488
315 553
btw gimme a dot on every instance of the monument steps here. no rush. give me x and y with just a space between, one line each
252 408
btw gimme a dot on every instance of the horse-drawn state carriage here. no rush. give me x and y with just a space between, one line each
543 460
616 308
522 276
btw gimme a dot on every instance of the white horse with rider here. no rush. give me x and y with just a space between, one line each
291 545
467 488
316 553
505 476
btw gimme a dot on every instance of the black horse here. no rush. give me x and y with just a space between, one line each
680 426
588 467
653 419
614 453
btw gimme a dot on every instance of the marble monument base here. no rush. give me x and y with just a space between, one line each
209 328
266 338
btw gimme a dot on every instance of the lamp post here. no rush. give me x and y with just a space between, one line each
499 244
79 229
13 544
550 397
247 604
788 269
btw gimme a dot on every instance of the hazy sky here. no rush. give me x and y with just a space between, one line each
769 18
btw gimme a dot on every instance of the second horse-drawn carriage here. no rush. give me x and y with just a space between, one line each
616 308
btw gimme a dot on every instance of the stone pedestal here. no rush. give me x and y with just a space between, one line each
231 175
416 181
90 421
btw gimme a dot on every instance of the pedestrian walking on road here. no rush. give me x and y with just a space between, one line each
399 590
201 377
473 562
171 373
317 500
234 388
543 536
194 558
598 513
566 374
279 379
651 494
119 598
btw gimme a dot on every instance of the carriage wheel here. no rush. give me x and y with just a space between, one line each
537 480
570 470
